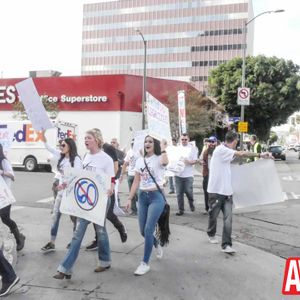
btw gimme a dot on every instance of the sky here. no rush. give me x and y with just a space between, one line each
46 34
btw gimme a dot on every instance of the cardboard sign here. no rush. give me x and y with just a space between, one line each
6 196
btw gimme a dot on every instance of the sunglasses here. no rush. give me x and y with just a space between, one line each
184 139
211 142
63 145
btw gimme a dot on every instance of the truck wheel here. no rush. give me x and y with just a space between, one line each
30 164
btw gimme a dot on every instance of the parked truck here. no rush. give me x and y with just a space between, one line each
25 147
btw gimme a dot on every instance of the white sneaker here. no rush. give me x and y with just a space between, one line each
213 240
142 269
159 251
229 250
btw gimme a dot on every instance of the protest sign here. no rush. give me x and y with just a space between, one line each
256 183
158 119
34 107
139 138
6 196
6 137
85 195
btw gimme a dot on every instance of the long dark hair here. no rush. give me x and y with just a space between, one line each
2 156
157 150
72 152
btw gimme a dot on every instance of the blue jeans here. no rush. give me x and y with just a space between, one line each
103 247
217 202
151 205
171 184
184 185
6 270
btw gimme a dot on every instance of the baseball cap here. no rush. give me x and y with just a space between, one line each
212 139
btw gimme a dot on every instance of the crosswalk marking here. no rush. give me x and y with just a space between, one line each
17 207
46 200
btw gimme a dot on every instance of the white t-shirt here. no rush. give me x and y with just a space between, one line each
219 181
131 158
191 153
7 168
99 162
156 169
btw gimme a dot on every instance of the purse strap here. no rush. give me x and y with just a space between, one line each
158 187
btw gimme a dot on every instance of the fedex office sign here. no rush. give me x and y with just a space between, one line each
28 134
8 94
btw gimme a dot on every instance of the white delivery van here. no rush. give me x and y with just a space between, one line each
27 148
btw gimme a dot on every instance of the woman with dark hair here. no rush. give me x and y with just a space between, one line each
151 202
67 157
7 174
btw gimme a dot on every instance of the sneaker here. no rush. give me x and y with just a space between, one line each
6 287
205 213
180 213
49 247
20 242
123 234
159 251
213 240
68 246
229 250
171 192
142 269
92 246
192 207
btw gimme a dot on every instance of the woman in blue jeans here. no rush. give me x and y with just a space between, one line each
151 202
96 160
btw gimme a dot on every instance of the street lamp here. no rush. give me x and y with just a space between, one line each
144 77
244 60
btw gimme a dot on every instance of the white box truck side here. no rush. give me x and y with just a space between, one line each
27 147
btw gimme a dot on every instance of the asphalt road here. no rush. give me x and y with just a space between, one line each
273 228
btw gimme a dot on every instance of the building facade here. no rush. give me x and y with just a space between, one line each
184 39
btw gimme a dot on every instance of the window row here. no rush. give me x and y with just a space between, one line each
206 63
216 47
222 32
199 78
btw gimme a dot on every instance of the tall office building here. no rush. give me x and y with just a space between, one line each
184 38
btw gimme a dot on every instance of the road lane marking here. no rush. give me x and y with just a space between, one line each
46 200
17 207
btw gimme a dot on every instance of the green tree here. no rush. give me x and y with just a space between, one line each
202 115
274 86
273 137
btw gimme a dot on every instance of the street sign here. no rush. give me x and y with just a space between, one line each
243 127
234 119
243 96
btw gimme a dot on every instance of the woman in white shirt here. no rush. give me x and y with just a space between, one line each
67 157
7 174
95 161
151 201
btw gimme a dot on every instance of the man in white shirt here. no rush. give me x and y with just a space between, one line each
185 179
220 188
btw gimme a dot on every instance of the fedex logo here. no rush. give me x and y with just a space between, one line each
68 133
28 134
291 281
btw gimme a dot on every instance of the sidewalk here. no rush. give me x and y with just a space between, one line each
190 269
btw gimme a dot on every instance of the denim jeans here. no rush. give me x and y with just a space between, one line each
151 205
6 270
171 184
216 203
135 198
103 247
184 185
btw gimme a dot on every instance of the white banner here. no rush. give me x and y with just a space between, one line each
34 107
158 119
86 195
181 111
256 183
6 137
139 138
6 196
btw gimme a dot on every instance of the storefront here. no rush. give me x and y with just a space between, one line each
109 102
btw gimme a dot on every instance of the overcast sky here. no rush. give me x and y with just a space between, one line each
46 34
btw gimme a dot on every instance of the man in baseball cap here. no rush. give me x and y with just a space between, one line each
212 139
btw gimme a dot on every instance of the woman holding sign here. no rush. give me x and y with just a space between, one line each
96 160
7 174
67 157
149 178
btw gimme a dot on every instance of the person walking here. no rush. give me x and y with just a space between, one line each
67 157
129 164
185 179
206 158
9 277
220 188
96 160
7 174
111 216
149 174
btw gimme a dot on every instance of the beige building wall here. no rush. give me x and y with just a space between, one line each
185 38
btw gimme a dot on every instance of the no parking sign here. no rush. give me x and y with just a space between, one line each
243 96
